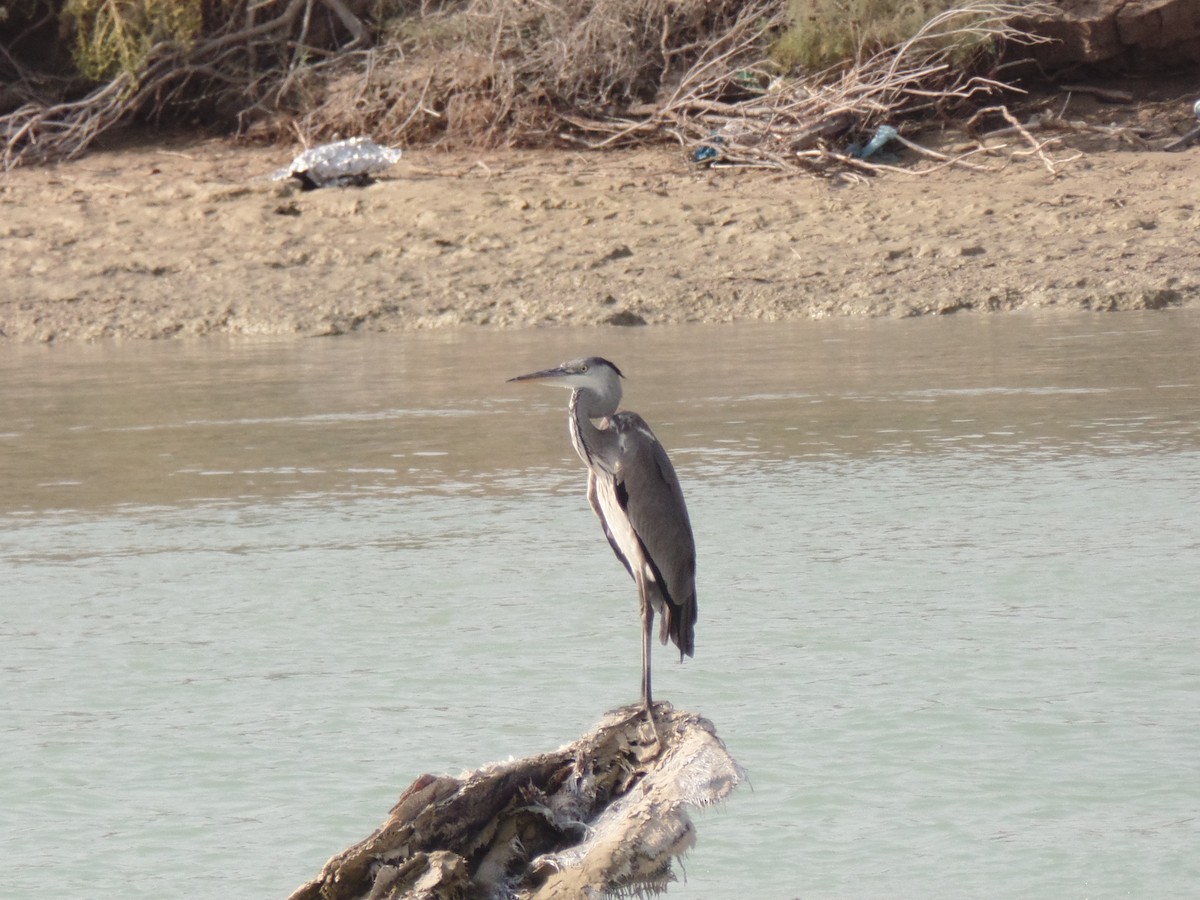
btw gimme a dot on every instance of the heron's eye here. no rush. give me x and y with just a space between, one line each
583 368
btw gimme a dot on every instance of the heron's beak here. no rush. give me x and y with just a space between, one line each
556 372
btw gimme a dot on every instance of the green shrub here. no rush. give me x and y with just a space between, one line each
115 36
823 33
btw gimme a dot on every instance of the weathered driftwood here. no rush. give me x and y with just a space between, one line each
603 815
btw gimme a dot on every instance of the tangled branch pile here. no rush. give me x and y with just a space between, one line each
486 72
741 112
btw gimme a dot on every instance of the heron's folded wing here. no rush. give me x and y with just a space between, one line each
654 502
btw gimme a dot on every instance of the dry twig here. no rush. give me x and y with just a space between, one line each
1036 148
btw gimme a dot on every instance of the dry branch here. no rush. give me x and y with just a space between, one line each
599 816
1036 148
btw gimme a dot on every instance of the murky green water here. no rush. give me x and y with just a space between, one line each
950 614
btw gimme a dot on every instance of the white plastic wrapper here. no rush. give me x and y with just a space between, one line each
352 161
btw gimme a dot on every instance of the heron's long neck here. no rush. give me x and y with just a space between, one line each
590 441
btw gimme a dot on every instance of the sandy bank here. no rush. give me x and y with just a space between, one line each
192 239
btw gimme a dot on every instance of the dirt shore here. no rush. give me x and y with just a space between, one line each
192 238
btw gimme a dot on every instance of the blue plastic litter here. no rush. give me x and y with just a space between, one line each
883 134
707 152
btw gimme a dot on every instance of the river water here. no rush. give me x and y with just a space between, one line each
949 581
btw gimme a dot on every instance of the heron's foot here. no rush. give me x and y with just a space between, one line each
654 748
639 716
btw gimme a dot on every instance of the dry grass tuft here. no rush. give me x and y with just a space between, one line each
825 33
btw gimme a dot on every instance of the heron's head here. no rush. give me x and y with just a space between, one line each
594 374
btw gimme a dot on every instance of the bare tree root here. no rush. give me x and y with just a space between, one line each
236 60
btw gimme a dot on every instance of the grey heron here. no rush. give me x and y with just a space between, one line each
633 489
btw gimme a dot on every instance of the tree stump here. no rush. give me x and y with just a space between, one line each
604 814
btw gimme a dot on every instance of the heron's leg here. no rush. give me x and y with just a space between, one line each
647 629
647 633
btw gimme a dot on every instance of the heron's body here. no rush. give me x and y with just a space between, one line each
633 489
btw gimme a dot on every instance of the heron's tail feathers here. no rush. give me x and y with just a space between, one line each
679 624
